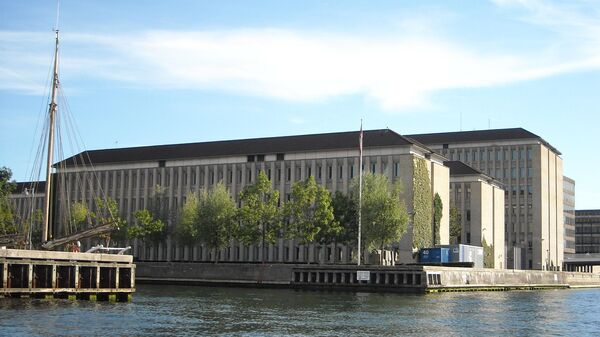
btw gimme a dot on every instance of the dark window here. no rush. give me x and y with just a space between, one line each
468 238
161 163
251 158
260 157
280 156
445 146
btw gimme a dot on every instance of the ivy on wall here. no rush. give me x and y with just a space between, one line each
422 205
488 254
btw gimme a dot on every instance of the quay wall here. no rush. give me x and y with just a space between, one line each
411 278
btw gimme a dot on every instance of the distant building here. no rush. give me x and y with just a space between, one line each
569 214
130 176
479 200
587 231
532 172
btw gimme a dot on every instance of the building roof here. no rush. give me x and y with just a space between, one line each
479 136
458 168
270 145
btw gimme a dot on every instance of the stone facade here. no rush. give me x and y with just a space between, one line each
532 172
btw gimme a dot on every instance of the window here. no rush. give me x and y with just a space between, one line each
445 146
162 163
396 169
373 166
329 172
288 176
515 154
260 157
280 156
351 171
251 158
309 171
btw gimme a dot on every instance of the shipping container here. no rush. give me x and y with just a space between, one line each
434 255
466 253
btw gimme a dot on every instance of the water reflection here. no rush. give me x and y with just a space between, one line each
194 311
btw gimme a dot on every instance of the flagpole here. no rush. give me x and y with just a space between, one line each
360 150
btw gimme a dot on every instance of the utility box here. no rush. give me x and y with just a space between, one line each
434 255
466 253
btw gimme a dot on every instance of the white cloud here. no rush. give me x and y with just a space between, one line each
398 72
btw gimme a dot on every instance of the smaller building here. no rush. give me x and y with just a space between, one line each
569 214
479 199
587 231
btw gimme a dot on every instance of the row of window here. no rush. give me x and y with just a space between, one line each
486 154
216 175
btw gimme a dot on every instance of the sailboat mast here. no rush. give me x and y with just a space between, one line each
52 116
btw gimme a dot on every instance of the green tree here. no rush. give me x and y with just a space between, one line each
146 227
108 213
80 215
384 215
259 215
217 218
345 213
422 205
455 225
187 228
438 208
7 224
309 212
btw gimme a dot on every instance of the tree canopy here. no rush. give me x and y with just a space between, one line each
7 225
455 225
384 215
309 213
438 208
259 215
217 217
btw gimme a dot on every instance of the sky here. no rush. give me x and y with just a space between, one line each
150 72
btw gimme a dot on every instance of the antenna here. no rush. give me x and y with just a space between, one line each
57 15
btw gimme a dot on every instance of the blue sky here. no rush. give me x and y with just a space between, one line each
154 72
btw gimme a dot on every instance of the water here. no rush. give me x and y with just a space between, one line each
202 311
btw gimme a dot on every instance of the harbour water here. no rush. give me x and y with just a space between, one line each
205 311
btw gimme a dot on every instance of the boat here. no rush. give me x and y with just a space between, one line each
100 273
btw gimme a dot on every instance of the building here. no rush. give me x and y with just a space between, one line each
131 176
569 214
587 231
479 200
531 171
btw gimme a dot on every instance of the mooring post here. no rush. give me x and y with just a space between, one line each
4 275
76 276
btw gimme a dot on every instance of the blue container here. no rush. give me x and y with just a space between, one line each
434 255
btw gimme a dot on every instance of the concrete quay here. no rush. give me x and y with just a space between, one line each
402 278
47 274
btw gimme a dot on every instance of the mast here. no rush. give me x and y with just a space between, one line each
52 116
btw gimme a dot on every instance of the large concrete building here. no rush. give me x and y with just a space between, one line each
131 176
479 200
569 214
532 172
587 231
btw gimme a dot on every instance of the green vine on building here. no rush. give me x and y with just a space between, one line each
422 205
